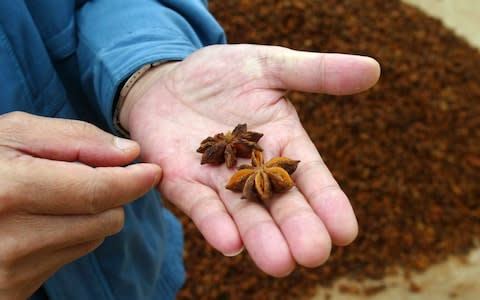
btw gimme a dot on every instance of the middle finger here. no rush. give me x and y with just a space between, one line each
260 234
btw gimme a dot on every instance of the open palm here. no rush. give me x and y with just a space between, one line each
217 88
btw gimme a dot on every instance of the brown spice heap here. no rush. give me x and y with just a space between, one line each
226 147
260 180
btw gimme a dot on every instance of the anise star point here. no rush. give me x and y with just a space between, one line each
226 147
260 180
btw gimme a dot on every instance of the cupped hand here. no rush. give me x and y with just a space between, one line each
174 107
61 194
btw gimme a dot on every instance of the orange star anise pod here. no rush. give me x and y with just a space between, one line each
226 147
260 180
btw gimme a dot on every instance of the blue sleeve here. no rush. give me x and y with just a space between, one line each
117 37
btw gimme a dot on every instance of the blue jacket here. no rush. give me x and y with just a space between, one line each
67 59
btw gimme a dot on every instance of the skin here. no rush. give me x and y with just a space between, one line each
66 178
173 107
61 194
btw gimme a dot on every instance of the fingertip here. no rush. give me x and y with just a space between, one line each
372 70
157 180
149 174
308 238
125 145
117 219
157 174
282 273
234 253
268 248
346 74
348 235
336 212
343 226
280 270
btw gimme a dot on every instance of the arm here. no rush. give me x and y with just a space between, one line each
171 109
115 38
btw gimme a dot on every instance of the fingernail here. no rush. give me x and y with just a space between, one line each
124 144
234 253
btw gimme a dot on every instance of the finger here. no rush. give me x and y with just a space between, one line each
54 232
261 236
69 254
318 186
208 213
306 235
26 275
330 73
55 187
67 140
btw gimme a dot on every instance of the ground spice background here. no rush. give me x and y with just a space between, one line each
407 152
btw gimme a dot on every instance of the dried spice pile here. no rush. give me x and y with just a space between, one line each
406 152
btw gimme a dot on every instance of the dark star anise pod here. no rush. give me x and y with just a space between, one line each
260 180
226 147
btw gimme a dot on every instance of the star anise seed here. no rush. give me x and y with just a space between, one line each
226 147
260 180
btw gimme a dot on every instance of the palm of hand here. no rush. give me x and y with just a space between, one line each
212 91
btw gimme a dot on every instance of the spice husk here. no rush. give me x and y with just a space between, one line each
260 180
226 147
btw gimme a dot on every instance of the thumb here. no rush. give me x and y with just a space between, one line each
330 73
66 140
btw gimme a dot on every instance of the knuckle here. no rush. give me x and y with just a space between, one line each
13 122
82 128
14 117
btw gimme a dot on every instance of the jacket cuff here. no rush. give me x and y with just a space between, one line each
115 65
117 37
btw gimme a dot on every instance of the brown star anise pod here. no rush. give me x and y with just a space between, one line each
226 147
260 180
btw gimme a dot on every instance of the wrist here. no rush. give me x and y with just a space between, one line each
134 88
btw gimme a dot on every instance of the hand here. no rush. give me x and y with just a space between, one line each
56 205
177 105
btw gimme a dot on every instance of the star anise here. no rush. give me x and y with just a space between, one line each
260 180
226 147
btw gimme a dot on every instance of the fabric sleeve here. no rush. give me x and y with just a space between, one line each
117 37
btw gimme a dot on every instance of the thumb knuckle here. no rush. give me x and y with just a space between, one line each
83 129
12 125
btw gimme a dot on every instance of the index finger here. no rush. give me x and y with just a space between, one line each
45 186
322 191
